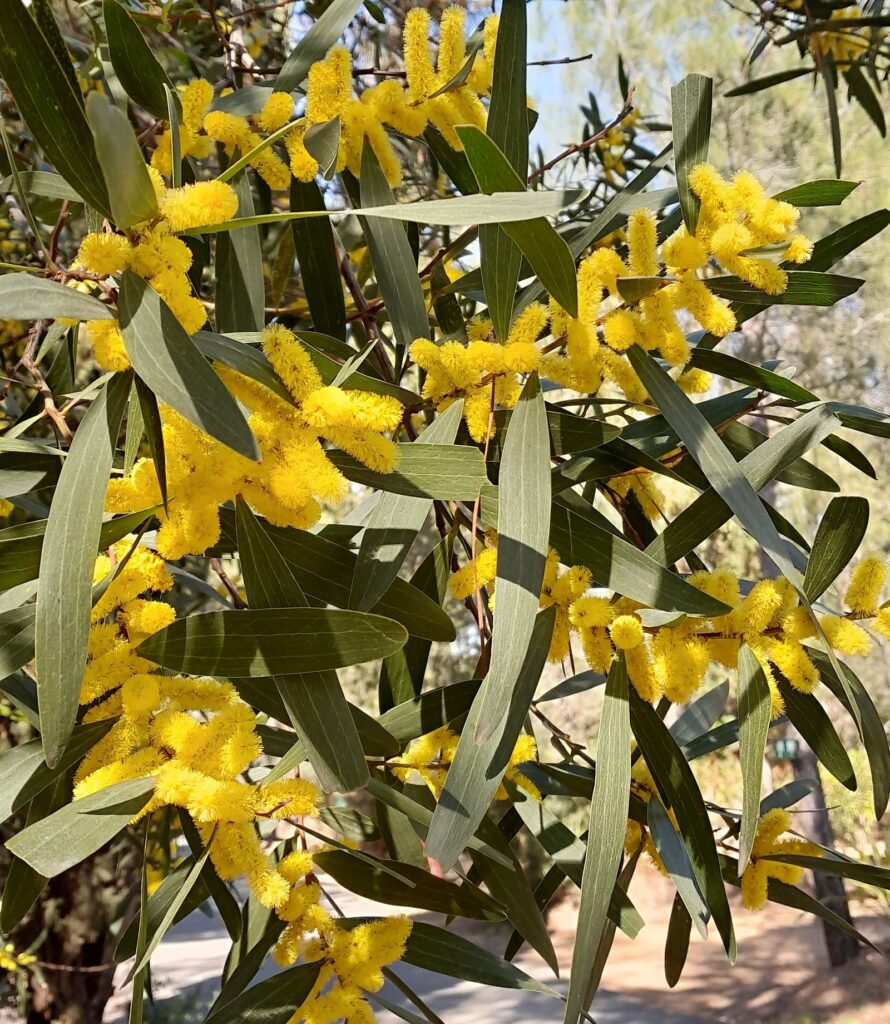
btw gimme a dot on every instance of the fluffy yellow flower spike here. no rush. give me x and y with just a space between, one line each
756 876
431 755
294 475
864 591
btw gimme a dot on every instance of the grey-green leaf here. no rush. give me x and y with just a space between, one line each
166 358
130 191
64 588
691 116
840 533
27 297
270 641
395 522
754 719
608 823
86 825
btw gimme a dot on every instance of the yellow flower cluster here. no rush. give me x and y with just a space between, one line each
294 474
155 253
352 963
672 661
431 756
738 228
612 147
846 44
12 961
200 129
642 785
483 373
405 108
196 737
156 731
767 841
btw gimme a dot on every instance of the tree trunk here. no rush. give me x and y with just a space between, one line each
828 888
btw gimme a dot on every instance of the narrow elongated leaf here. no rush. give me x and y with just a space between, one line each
26 297
25 777
154 434
712 455
395 522
709 511
16 639
314 701
618 565
678 788
840 533
220 893
568 852
510 886
317 256
422 815
754 718
871 730
272 641
677 864
428 711
700 715
746 373
676 943
315 44
64 587
20 545
805 288
823 192
186 886
870 101
244 358
402 674
240 288
49 103
135 65
608 823
325 570
130 191
767 82
426 891
507 126
447 472
23 884
42 183
818 731
546 251
867 874
86 824
691 118
167 360
271 1001
834 247
394 263
523 521
445 952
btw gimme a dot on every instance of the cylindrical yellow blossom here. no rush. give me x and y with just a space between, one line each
621 329
476 574
198 205
626 632
277 111
104 253
641 243
756 612
845 636
418 67
195 99
290 360
329 87
866 584
108 344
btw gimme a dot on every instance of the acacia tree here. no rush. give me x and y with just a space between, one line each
174 412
